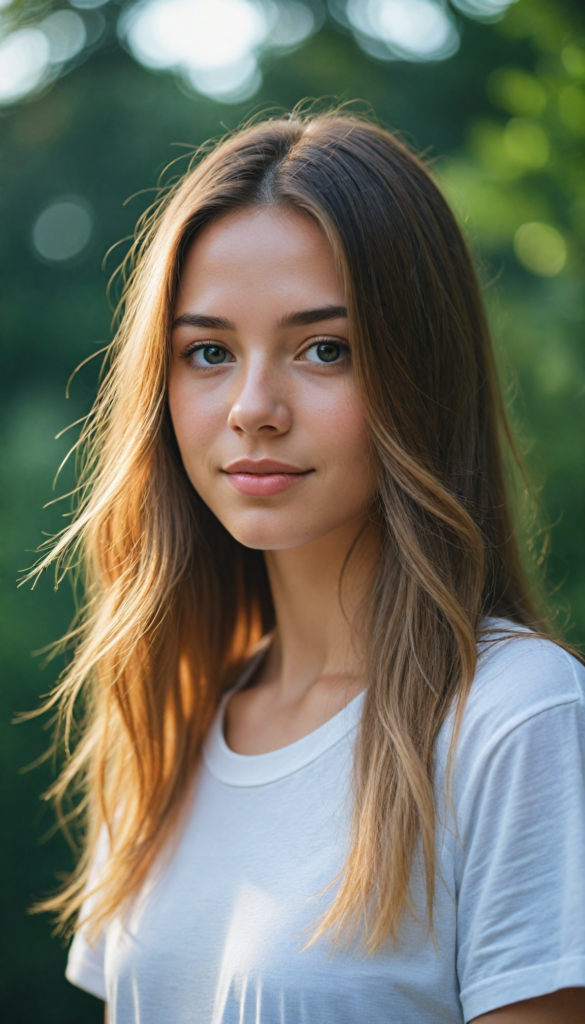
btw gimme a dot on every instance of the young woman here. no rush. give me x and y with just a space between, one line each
332 765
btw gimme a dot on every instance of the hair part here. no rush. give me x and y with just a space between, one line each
174 604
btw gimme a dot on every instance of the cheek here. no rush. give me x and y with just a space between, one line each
197 420
340 427
340 437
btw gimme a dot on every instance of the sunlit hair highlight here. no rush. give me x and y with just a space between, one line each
174 605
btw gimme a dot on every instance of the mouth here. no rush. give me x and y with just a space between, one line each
264 478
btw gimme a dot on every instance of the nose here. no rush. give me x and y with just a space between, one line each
258 407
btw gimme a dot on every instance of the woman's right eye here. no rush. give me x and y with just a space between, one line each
209 355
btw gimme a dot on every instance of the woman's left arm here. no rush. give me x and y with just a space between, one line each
567 1006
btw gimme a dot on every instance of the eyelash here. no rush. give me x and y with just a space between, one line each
325 339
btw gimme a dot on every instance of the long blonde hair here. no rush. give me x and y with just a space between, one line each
173 604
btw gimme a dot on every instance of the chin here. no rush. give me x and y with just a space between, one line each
269 532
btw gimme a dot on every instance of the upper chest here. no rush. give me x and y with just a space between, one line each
226 922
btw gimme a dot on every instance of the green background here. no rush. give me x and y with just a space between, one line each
504 122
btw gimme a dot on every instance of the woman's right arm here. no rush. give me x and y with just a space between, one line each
106 1015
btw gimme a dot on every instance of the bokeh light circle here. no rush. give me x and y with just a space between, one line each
24 59
66 34
410 29
63 229
540 248
195 33
526 142
214 45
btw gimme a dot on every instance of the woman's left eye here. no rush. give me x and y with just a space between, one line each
325 352
209 355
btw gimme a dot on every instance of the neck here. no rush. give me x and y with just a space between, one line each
318 592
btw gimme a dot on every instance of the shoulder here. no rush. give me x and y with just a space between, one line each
517 822
519 677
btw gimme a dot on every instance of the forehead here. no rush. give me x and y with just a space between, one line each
276 252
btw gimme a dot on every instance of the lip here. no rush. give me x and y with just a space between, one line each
264 478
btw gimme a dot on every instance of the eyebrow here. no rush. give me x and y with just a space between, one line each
301 318
304 317
212 323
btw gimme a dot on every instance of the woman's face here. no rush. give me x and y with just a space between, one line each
261 390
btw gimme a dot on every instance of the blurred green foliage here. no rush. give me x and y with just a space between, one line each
504 121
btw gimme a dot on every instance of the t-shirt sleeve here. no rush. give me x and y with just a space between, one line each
85 963
520 862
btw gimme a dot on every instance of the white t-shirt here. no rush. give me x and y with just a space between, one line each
218 936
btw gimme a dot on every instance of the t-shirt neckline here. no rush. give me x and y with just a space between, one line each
260 769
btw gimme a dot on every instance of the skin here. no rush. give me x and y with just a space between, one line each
271 397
